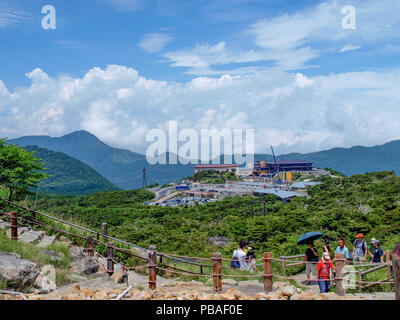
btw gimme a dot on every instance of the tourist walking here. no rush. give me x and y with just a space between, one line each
341 248
377 252
239 256
360 249
311 260
323 278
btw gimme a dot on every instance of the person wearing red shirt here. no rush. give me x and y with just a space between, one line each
324 267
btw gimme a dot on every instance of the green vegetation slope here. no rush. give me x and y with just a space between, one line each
368 203
68 175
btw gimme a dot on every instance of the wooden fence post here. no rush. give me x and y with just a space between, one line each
360 278
339 261
110 258
389 267
104 231
152 267
396 270
89 245
283 258
217 271
267 272
14 225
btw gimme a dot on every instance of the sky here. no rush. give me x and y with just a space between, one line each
304 75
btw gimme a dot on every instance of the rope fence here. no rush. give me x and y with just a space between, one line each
152 266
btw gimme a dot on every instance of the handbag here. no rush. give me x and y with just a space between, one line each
235 264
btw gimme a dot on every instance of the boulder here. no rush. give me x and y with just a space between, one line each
46 241
289 290
120 277
76 253
85 266
234 292
32 236
16 272
44 284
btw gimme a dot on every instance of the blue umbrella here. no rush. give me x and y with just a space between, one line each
309 236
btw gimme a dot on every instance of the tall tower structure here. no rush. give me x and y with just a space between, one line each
144 178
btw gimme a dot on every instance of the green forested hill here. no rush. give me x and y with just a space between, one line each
368 203
69 175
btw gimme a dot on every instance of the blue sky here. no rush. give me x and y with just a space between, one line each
119 68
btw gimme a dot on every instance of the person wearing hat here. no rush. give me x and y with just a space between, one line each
360 249
371 247
377 252
324 267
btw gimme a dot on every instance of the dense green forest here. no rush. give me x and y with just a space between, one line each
211 176
344 206
68 175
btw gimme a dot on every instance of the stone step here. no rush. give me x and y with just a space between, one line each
46 241
32 236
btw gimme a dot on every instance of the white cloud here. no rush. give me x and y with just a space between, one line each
291 111
349 47
9 16
154 42
292 41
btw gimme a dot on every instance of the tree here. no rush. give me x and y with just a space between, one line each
19 169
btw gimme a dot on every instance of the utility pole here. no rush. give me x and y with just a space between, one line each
37 195
144 178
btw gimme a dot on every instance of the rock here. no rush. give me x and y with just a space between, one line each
74 289
44 284
75 296
100 295
120 277
85 266
234 292
76 253
87 292
273 296
225 296
16 272
36 297
55 295
219 241
230 282
141 296
278 285
289 290
308 295
46 241
31 236
296 296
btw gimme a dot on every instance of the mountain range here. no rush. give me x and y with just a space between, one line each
121 167
124 168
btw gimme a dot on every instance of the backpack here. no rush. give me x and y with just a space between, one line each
235 263
250 254
363 245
